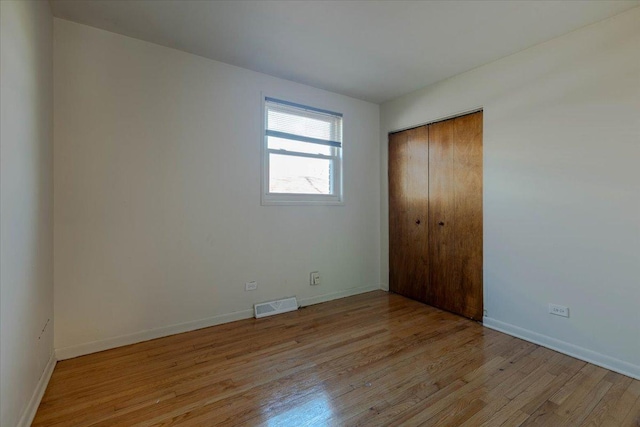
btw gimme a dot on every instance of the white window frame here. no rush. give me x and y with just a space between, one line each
268 198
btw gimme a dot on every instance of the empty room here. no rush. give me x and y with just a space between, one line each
319 213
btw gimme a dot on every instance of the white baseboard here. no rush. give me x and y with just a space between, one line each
336 295
30 411
109 343
608 362
150 334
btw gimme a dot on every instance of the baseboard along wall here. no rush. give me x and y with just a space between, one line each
607 362
32 407
109 343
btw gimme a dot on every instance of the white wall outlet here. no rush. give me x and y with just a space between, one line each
559 310
251 286
315 278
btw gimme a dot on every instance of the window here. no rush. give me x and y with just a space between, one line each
302 154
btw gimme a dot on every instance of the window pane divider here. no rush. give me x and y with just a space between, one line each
299 154
301 138
311 196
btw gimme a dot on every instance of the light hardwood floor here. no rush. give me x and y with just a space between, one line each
372 359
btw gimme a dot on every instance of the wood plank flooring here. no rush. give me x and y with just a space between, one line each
372 359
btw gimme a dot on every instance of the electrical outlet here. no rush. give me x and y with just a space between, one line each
315 278
559 310
251 286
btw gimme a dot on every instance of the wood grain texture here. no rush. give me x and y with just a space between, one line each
455 215
409 212
371 360
435 172
467 214
444 275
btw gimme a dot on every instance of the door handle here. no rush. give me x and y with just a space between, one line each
418 221
441 223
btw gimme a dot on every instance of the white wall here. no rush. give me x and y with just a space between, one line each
561 186
26 205
158 219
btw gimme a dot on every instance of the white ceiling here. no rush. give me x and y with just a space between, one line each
372 50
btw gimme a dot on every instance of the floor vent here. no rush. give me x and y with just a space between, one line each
275 307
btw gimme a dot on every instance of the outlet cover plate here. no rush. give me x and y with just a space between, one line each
315 278
251 286
559 310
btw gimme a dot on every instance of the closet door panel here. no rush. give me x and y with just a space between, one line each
398 165
408 213
444 272
467 164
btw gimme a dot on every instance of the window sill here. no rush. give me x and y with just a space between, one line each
287 201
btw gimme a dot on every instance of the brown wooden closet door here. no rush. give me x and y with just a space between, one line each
409 213
455 215
442 292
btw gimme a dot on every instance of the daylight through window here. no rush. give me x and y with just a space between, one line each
303 153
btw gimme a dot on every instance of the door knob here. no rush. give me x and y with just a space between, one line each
418 221
441 223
